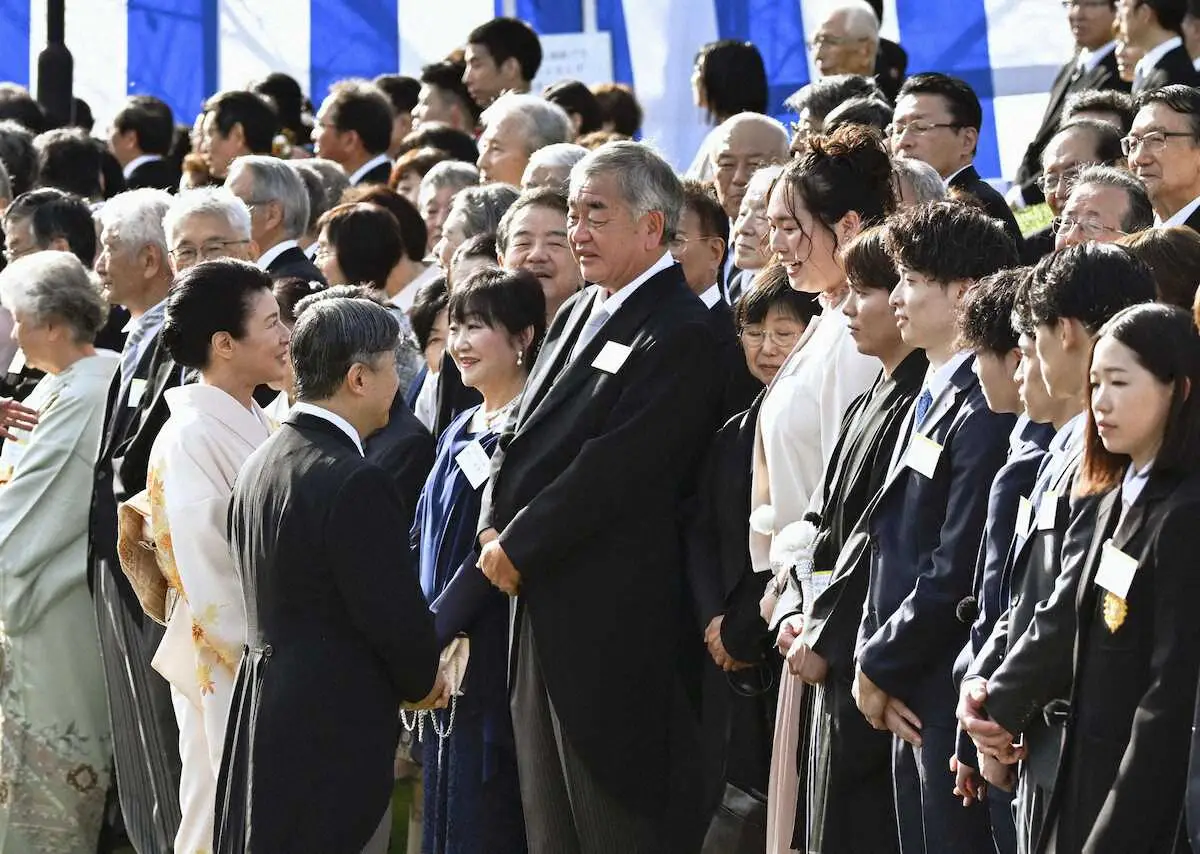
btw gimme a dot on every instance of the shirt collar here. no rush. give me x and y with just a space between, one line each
955 174
1134 482
1089 59
1069 434
333 418
405 296
150 318
937 381
268 258
1147 62
133 164
1181 216
617 299
711 297
367 167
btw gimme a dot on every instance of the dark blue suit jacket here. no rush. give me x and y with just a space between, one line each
924 539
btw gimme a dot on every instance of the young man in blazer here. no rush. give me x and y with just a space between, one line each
1155 28
581 516
925 525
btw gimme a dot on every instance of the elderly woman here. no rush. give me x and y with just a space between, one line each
749 248
56 744
222 320
438 188
475 210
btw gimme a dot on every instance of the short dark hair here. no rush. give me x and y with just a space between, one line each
18 104
734 78
413 232
418 160
459 145
1170 13
1173 256
771 290
429 302
950 241
512 299
700 198
961 100
824 95
54 213
868 263
356 105
619 107
1140 213
402 91
510 38
69 160
211 297
539 197
1112 101
252 111
476 246
985 315
331 336
18 156
366 239
1105 137
1184 100
447 76
873 112
151 120
289 291
1090 283
1164 342
577 99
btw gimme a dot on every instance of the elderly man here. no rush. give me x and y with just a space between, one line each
581 516
533 236
208 223
1163 147
135 271
551 166
279 208
514 127
437 192
1105 203
847 40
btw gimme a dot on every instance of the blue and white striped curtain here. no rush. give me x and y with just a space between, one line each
183 50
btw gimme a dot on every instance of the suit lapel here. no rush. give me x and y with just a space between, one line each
550 364
1106 519
965 179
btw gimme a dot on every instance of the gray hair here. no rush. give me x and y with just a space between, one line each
135 218
482 208
334 180
861 21
316 193
542 122
926 183
645 181
271 180
1140 214
6 193
208 201
762 179
449 173
559 157
331 336
406 343
53 285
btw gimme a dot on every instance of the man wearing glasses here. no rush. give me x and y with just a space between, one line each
1094 66
1163 148
1154 27
1105 203
847 40
937 120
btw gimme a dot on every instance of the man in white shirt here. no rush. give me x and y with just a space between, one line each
354 129
1154 27
278 202
1163 148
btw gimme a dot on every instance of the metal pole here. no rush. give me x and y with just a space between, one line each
590 20
56 67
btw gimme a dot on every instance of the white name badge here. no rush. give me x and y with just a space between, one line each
1048 511
475 464
923 454
137 388
1024 515
820 581
18 362
612 357
1116 570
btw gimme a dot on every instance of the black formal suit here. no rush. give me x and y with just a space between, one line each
1175 66
155 174
891 67
738 387
924 538
292 262
1193 221
378 175
338 637
1066 83
1121 781
969 182
145 733
405 450
586 494
1038 245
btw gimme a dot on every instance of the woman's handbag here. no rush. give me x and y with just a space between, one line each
740 823
138 555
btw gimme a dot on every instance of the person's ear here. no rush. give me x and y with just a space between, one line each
656 226
511 69
970 140
848 227
59 244
356 379
222 345
237 135
717 250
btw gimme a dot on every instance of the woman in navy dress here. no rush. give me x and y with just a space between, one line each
472 799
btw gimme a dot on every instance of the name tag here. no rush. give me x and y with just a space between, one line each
137 388
1047 515
1116 570
1024 515
923 454
820 580
612 357
475 464
18 362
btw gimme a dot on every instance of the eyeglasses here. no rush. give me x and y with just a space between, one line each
1154 141
679 242
820 41
757 337
212 249
1064 180
1092 228
918 127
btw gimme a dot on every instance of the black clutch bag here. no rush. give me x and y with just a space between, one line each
740 824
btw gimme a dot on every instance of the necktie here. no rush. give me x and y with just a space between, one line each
129 354
923 403
594 322
735 289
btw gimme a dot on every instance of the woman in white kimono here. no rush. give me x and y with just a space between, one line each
839 185
55 744
222 320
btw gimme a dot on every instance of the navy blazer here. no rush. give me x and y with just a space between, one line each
924 535
969 182
1175 66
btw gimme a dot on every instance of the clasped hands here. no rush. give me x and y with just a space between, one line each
883 711
437 698
802 660
13 414
495 563
991 739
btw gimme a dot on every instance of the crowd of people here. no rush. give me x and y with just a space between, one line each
821 498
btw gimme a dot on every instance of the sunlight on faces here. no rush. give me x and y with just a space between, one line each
219 151
925 309
432 107
327 261
328 141
943 148
609 241
260 355
1061 161
1129 404
206 237
38 341
871 321
485 80
19 239
995 372
805 246
503 153
1057 346
453 236
750 232
1171 174
745 148
435 207
122 271
766 345
838 51
1102 207
378 383
409 186
486 356
699 254
462 269
1035 397
435 347
538 243
1091 23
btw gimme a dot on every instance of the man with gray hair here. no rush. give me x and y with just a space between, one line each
581 517
846 40
916 182
331 180
1105 204
514 127
551 166
208 223
278 202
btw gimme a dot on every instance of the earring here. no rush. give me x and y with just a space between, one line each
520 359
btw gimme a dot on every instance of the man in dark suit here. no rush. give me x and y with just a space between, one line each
141 137
1094 66
354 129
937 120
926 523
1154 27
1164 153
891 60
339 635
581 516
278 203
236 123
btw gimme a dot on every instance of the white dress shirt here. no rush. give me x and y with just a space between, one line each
274 252
1181 216
1146 64
712 296
610 305
403 299
367 167
946 181
937 380
1089 59
333 418
133 164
